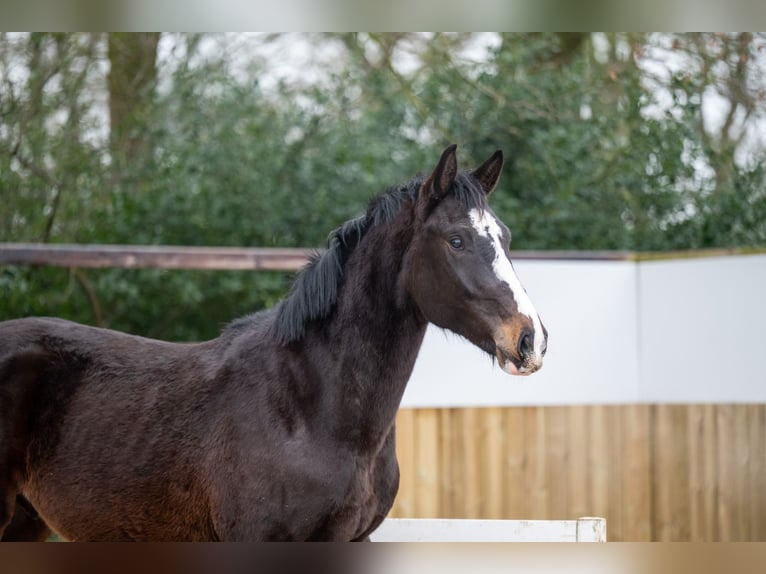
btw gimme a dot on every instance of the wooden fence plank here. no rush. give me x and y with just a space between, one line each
598 461
471 464
696 429
614 429
427 453
578 472
757 489
458 470
725 472
404 505
491 462
515 497
449 487
707 451
557 463
741 498
635 477
536 487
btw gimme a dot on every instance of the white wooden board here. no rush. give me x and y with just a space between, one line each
587 529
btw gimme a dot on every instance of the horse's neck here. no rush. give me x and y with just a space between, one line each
375 335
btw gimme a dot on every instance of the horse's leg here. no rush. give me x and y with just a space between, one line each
7 506
8 484
8 470
26 525
18 379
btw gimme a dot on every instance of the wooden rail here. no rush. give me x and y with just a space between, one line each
154 256
221 258
262 258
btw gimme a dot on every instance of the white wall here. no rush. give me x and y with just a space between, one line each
703 330
619 332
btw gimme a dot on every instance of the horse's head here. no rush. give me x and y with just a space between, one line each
460 272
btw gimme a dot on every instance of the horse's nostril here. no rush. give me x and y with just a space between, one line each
524 346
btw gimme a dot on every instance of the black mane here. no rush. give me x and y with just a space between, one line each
315 290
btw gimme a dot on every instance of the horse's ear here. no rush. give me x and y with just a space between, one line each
438 183
488 173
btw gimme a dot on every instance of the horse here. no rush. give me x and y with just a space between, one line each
282 427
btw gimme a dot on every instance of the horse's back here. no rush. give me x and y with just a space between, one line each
59 335
46 358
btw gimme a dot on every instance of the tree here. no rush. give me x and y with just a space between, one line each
132 80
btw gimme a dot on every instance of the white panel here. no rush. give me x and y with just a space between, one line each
589 310
703 330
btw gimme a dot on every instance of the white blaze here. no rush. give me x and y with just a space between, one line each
486 226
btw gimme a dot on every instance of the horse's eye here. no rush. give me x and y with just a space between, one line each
456 243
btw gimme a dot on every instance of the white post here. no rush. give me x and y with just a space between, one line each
591 529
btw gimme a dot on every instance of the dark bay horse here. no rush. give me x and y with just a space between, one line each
282 428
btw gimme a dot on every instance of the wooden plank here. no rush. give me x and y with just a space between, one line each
404 505
471 464
449 484
708 452
726 462
697 516
427 459
614 419
557 462
459 470
679 479
491 461
577 449
757 491
515 498
671 475
598 462
467 530
536 479
662 456
635 476
742 500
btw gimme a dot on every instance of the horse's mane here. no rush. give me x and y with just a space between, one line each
315 290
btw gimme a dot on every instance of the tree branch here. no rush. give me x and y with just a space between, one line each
90 293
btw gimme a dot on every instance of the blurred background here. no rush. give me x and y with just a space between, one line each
631 147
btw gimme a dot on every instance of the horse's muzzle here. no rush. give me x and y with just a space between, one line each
517 353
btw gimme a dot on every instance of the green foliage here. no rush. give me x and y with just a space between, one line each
233 163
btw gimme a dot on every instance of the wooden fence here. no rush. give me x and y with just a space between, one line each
655 472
